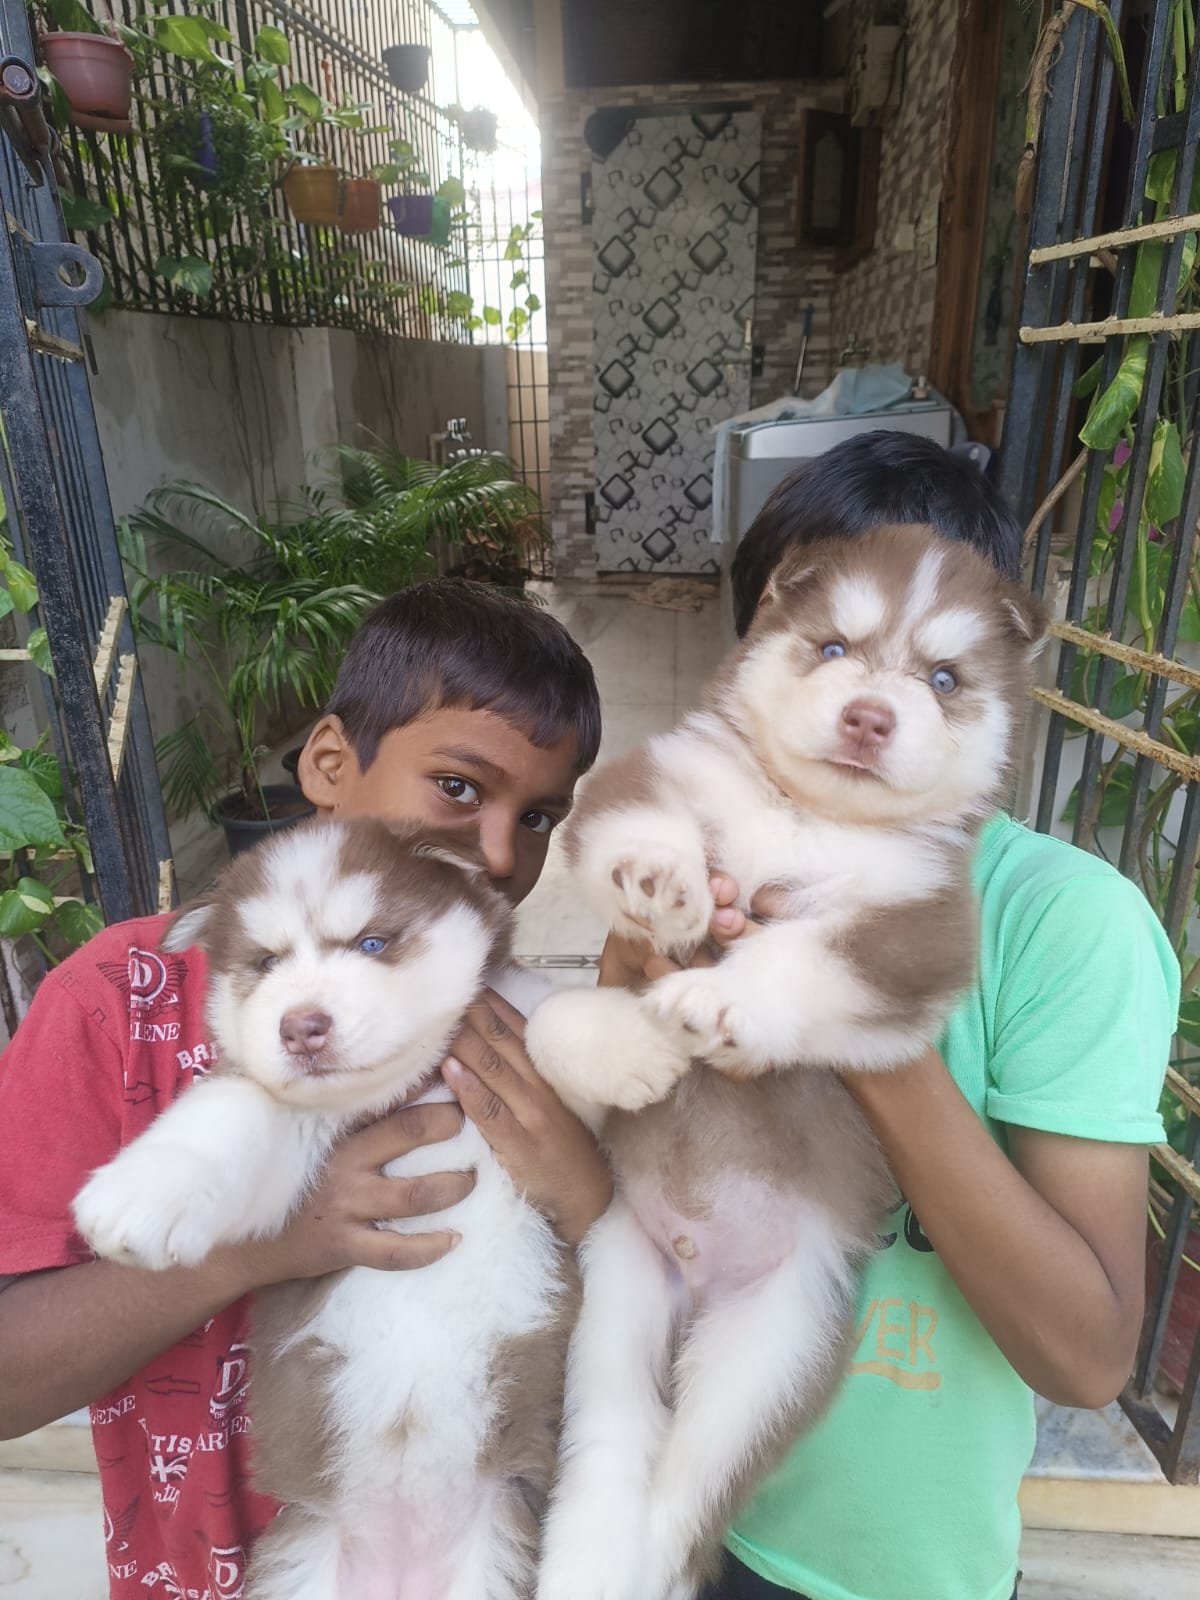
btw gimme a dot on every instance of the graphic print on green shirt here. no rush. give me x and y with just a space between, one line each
907 1490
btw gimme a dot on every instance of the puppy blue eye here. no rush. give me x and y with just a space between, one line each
372 946
833 650
943 680
268 962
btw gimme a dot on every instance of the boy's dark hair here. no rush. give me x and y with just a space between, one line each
449 643
870 479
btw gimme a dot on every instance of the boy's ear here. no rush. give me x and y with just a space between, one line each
326 761
188 927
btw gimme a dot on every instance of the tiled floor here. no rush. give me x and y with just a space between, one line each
650 666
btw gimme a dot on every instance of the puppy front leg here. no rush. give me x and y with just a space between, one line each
595 1542
224 1163
782 996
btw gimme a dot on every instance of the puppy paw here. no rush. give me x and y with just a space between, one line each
603 1047
658 894
703 1016
153 1209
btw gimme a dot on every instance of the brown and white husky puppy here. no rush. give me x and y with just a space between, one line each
849 753
342 957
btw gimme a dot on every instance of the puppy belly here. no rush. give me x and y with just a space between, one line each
401 1549
732 1239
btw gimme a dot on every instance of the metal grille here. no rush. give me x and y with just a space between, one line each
1119 753
367 281
59 516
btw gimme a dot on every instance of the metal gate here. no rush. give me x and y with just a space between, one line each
60 517
1122 91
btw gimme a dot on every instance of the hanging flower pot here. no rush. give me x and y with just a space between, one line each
96 74
407 66
362 205
312 194
479 129
412 214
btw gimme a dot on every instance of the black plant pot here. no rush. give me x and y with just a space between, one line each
407 66
286 806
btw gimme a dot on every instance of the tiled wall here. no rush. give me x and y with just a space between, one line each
787 280
887 299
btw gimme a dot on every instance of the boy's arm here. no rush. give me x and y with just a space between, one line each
69 1336
1047 1247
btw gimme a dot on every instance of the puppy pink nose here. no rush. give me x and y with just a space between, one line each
869 723
304 1033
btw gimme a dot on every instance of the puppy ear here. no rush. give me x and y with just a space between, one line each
464 854
1024 614
793 574
188 927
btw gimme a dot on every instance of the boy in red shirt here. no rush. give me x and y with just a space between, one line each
451 699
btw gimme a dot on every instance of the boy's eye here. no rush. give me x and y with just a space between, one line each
372 945
458 790
539 821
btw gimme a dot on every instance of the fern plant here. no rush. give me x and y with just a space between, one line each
254 633
474 512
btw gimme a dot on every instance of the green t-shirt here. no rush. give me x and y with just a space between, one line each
908 1488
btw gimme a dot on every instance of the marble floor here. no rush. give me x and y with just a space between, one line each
650 666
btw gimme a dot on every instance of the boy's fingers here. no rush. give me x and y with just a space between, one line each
402 1131
385 1198
488 1108
498 1057
387 1251
724 889
508 1015
727 923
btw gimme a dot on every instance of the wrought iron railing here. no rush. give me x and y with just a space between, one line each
1119 759
368 281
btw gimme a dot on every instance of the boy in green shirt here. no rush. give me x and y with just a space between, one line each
1015 1261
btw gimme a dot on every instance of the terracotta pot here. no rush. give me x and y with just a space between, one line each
96 74
312 194
407 66
362 205
412 214
1183 1322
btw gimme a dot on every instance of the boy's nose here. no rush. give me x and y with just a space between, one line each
499 850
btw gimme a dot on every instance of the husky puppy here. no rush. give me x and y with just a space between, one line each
848 754
342 957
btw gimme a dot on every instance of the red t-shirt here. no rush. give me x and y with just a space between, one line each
113 1035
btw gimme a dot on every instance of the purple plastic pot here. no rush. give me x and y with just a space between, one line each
412 214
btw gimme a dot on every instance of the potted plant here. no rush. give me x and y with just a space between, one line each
259 632
92 66
478 127
407 66
473 514
361 205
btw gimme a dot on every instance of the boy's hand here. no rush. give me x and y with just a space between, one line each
335 1227
546 1151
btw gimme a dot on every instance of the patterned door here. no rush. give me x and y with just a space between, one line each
675 225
